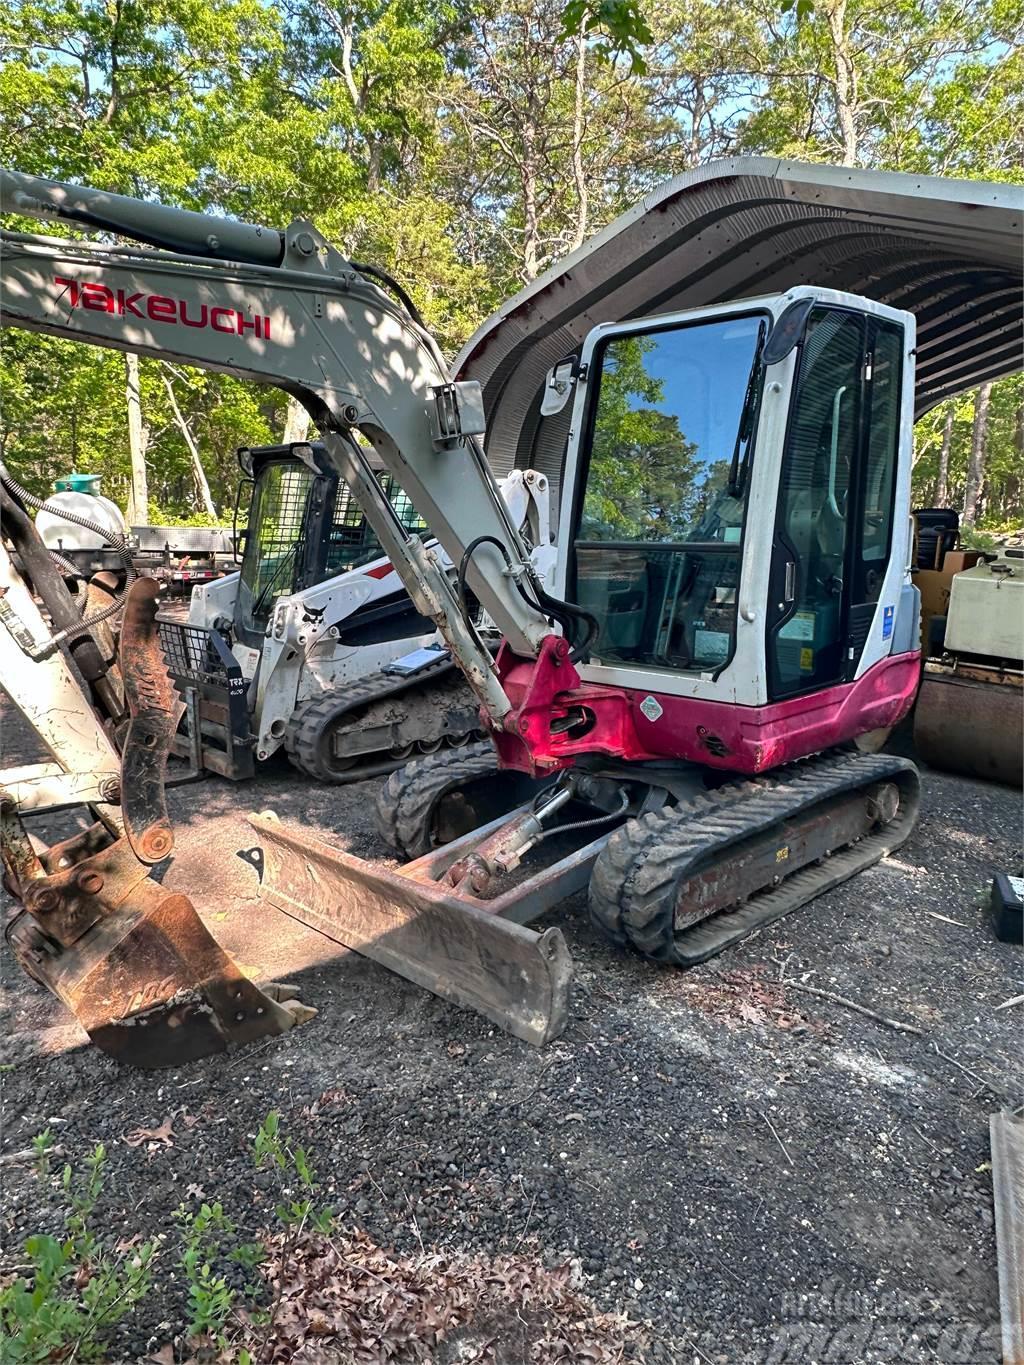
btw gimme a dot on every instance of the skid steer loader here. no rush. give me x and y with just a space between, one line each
314 646
672 715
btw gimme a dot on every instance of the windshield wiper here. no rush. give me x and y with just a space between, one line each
751 398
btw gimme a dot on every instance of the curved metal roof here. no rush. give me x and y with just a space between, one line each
950 251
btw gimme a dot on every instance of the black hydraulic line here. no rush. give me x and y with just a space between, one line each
402 294
562 612
22 495
589 824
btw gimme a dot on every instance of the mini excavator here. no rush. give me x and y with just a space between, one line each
673 714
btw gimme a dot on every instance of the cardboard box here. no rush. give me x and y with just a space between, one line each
956 561
933 585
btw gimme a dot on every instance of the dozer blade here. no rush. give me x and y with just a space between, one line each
971 721
425 932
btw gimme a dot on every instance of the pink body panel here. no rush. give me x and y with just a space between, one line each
741 739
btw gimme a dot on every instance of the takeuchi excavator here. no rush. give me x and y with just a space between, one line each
672 716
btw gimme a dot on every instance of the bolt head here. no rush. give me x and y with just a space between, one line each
157 844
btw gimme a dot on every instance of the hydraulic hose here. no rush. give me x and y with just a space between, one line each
119 543
588 824
374 272
565 613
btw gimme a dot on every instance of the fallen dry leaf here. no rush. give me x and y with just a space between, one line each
345 1298
164 1134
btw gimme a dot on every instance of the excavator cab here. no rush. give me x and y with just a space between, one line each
725 574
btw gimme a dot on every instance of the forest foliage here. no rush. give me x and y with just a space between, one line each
464 146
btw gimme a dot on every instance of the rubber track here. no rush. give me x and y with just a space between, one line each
633 885
631 843
307 724
406 800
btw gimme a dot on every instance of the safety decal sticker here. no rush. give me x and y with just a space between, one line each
651 708
887 618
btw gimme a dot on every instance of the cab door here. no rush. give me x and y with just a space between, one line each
833 532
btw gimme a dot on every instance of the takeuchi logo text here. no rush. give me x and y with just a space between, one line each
98 298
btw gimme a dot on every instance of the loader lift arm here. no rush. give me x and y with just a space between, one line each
287 309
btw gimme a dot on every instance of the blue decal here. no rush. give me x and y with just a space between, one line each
887 614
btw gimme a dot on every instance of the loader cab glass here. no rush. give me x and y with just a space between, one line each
304 527
659 520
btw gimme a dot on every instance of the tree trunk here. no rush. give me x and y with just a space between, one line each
531 219
845 80
942 479
578 168
198 472
976 467
138 440
296 423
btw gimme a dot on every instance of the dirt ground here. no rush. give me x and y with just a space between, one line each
759 1173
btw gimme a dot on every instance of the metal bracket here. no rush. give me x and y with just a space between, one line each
457 412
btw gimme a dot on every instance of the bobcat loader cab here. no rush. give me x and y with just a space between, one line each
315 646
731 559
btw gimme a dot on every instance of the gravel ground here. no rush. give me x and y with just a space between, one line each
759 1173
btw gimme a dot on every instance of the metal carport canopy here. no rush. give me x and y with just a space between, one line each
949 251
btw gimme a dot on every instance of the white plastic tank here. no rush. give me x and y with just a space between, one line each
79 493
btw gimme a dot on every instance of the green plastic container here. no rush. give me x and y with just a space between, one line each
79 483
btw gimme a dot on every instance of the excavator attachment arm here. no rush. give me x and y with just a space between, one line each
132 961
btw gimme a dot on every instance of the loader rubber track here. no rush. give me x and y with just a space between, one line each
449 715
406 802
633 888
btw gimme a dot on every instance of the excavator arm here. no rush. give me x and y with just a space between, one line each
285 308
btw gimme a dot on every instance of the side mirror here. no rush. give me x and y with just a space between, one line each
239 537
559 383
787 332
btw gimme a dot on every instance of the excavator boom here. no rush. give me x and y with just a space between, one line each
286 309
